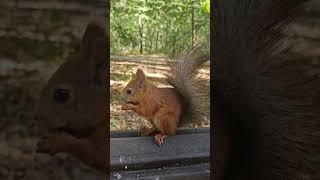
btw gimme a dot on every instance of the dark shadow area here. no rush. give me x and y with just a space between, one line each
36 37
266 90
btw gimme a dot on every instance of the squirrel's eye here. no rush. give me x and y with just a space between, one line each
61 95
129 91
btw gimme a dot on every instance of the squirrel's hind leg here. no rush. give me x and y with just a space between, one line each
159 139
145 131
167 126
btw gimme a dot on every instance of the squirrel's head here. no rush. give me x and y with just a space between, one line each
135 89
74 99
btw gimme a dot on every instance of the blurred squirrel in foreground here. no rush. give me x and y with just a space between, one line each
165 108
266 106
73 104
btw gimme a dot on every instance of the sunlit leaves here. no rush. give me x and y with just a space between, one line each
165 25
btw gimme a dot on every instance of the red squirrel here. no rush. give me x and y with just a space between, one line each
72 106
166 108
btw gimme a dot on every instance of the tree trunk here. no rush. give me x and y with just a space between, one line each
193 26
141 38
156 42
174 44
151 42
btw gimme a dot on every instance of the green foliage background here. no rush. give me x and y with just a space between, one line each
159 26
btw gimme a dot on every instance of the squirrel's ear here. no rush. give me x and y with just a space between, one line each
140 77
94 47
140 74
94 36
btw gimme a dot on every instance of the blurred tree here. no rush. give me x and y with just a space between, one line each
158 26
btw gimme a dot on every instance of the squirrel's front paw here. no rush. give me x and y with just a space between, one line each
128 106
53 144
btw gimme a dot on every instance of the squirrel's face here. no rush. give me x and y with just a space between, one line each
134 91
73 100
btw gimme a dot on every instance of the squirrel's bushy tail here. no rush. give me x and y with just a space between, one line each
249 47
266 107
184 77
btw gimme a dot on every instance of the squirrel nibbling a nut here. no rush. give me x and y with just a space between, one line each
166 108
72 105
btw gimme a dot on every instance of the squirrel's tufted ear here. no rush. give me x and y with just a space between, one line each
93 30
94 47
140 77
140 74
94 36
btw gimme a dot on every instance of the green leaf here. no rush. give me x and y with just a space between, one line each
206 6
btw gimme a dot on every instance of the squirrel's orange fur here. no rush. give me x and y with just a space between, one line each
165 108
161 106
72 106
